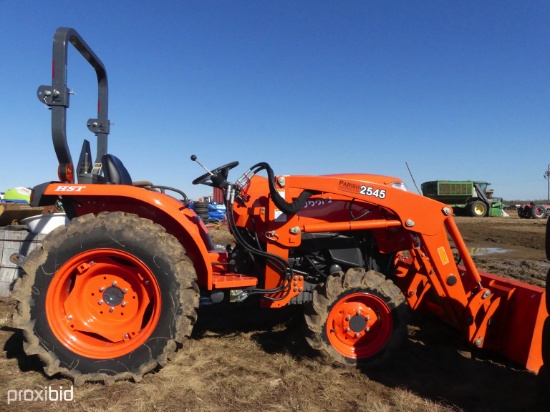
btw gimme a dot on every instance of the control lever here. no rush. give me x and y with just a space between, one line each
194 159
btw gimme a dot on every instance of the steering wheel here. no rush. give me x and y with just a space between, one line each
219 172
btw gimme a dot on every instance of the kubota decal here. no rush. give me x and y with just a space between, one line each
69 188
317 202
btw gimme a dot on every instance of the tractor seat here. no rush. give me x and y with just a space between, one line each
114 171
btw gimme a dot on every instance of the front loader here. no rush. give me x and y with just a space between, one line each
113 294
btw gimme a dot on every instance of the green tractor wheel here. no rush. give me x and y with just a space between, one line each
477 208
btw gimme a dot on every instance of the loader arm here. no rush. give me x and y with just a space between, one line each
418 229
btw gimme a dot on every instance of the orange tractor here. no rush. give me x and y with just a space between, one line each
113 294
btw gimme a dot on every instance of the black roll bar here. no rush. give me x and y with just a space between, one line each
56 97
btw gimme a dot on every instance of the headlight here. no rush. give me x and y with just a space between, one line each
399 185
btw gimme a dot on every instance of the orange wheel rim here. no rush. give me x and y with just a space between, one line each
359 325
103 303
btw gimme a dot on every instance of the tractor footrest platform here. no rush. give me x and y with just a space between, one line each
231 280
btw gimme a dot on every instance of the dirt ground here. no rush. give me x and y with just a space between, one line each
507 246
244 358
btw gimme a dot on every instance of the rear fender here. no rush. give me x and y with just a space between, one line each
38 198
173 215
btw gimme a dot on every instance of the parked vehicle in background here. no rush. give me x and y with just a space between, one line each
466 197
532 211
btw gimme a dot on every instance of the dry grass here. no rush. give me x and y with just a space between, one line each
246 358
219 369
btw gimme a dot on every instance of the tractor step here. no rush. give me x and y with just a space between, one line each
233 280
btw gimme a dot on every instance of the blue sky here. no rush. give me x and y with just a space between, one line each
456 89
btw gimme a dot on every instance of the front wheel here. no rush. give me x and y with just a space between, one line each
357 318
108 297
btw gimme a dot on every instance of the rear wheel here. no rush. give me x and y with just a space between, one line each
108 297
357 318
538 212
477 208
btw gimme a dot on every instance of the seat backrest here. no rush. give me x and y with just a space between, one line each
114 171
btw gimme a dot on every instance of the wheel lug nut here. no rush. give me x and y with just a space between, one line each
126 336
123 304
367 329
70 317
124 290
100 302
111 309
114 282
356 335
348 329
348 318
102 288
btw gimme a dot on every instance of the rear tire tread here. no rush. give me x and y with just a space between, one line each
25 290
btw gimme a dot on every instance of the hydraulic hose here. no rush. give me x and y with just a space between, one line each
280 202
275 260
287 208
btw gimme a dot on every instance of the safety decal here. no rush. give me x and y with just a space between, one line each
443 255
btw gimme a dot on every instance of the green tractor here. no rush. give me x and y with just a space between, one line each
466 197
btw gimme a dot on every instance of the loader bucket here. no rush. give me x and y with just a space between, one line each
514 312
515 330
